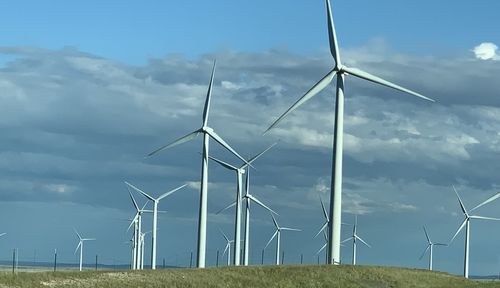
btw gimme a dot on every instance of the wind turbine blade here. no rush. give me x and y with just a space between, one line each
425 251
227 207
224 164
133 199
225 249
484 218
2 234
275 223
272 237
78 246
261 204
486 201
322 248
77 234
290 229
258 155
460 201
309 94
363 241
206 108
332 36
325 235
181 140
440 244
427 235
133 221
171 192
89 239
367 76
225 145
224 235
322 229
346 240
140 191
459 229
325 214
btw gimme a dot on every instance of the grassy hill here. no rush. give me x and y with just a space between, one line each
256 276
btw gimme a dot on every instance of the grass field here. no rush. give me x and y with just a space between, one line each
257 276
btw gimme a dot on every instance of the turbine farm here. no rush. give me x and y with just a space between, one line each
102 183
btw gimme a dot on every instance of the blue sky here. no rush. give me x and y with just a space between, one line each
89 88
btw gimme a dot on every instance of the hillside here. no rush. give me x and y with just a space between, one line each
256 276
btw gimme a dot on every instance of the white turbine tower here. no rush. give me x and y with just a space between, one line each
207 134
228 248
430 246
466 223
340 71
354 238
277 234
239 187
80 245
156 201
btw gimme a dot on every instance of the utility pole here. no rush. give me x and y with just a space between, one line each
262 259
282 257
55 260
217 259
301 259
95 262
191 261
14 261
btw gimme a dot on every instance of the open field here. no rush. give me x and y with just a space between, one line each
258 276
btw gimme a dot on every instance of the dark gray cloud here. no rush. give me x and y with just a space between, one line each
75 126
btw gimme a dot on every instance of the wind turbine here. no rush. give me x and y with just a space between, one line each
466 223
239 186
207 134
228 248
156 201
354 238
248 199
137 222
80 245
324 246
430 246
277 234
340 71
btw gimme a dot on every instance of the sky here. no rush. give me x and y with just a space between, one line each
89 88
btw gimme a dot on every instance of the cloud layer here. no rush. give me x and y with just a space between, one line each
74 126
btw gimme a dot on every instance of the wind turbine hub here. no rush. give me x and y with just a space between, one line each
207 129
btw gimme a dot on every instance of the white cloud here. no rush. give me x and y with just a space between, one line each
486 51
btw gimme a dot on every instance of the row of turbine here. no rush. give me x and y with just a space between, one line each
466 224
339 70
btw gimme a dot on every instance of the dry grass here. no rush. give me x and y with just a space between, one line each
256 276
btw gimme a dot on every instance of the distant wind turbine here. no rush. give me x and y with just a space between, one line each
228 248
156 201
277 234
239 186
207 134
80 245
354 239
466 223
340 71
430 246
137 222
2 234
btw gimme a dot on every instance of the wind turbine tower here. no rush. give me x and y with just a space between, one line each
339 70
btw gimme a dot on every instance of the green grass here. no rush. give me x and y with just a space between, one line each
256 276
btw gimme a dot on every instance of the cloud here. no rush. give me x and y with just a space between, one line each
486 51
